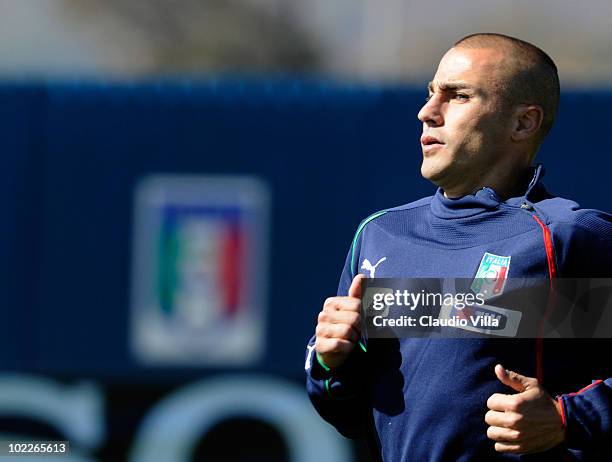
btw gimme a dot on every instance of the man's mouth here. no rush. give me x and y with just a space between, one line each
428 140
429 144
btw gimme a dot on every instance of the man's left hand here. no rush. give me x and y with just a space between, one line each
526 422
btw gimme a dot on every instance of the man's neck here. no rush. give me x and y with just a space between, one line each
505 186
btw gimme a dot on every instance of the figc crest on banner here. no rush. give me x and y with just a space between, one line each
199 270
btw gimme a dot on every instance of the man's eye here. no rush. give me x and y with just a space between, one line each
462 96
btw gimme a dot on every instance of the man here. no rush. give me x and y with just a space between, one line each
491 103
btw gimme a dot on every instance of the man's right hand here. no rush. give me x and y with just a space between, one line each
338 326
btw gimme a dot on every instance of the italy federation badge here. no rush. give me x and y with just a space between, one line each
199 271
491 276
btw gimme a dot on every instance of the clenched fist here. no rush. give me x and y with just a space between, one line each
525 422
338 326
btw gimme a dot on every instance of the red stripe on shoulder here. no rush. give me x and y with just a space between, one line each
548 245
552 273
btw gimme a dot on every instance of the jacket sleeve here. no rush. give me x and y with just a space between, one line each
339 394
583 245
584 250
587 416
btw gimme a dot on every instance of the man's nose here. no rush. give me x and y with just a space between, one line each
430 113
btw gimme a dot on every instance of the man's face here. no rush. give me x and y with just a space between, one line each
466 129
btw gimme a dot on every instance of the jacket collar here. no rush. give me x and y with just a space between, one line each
486 199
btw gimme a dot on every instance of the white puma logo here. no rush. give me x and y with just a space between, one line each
308 363
366 265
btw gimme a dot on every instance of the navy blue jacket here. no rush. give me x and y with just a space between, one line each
425 399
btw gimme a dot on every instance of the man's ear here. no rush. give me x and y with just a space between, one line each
527 121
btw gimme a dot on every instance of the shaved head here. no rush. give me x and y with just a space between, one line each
527 74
